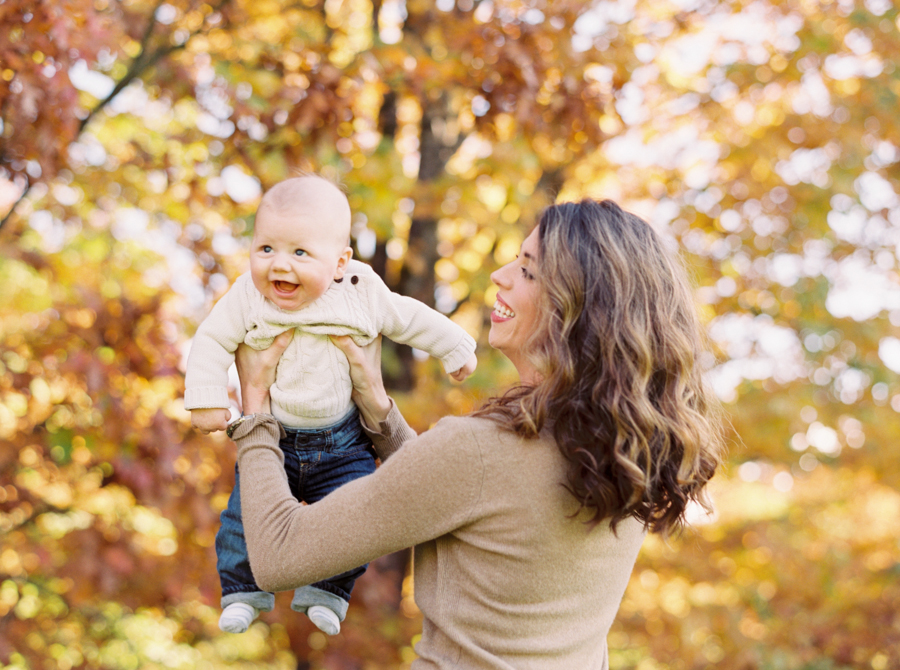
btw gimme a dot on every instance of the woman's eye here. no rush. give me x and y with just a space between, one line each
526 273
300 252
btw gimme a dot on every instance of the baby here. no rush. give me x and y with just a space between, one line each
302 277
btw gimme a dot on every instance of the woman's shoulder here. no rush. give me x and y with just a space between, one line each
475 433
459 433
474 425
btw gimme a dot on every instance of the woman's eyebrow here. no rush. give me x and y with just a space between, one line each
527 255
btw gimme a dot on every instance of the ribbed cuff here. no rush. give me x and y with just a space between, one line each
459 356
391 433
258 430
206 397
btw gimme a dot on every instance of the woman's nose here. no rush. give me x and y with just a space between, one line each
499 276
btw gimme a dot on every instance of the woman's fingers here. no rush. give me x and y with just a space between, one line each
280 344
257 367
365 373
256 370
365 362
352 351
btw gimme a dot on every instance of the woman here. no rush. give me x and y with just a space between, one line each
526 516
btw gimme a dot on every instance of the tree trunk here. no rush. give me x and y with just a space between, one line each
417 274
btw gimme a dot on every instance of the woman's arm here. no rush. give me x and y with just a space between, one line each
410 499
381 419
365 372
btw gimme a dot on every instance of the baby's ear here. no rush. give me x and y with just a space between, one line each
343 261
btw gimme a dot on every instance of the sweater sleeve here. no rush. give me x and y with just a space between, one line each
408 321
390 434
410 499
212 351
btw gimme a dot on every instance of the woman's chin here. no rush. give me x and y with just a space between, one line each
498 344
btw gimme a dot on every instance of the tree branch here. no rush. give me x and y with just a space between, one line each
139 66
16 203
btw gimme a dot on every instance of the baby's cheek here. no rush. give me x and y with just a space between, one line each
258 280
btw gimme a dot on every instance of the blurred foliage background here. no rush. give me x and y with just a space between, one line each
759 136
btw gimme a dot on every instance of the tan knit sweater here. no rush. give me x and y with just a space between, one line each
503 578
312 385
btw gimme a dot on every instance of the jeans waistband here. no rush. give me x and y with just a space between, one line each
322 439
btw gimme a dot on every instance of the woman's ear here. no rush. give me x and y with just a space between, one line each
343 261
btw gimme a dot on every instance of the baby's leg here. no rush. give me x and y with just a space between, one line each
326 610
242 599
344 457
237 617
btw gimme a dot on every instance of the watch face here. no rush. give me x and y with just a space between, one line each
230 430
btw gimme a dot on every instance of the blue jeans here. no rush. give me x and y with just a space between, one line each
316 462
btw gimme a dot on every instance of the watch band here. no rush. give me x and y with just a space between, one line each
233 426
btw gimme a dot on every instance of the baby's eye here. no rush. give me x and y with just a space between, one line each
267 249
300 252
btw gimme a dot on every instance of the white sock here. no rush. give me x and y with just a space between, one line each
237 617
325 620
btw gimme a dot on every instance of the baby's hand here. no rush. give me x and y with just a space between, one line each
466 369
210 420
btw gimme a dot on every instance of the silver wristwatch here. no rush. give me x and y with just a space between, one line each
233 426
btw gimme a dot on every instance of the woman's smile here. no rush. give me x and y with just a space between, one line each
501 312
515 313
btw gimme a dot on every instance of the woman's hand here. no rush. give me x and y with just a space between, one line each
256 370
365 372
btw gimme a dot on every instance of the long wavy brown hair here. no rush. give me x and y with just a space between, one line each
617 350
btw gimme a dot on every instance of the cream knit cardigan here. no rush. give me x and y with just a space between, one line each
312 386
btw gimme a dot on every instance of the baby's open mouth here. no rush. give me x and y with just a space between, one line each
284 286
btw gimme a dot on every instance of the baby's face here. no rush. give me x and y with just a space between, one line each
295 256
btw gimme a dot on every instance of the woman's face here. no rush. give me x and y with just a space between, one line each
515 310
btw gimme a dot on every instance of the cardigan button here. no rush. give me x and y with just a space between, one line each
354 279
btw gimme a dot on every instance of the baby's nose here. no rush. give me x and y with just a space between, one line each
280 262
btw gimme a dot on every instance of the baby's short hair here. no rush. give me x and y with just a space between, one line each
286 194
294 193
